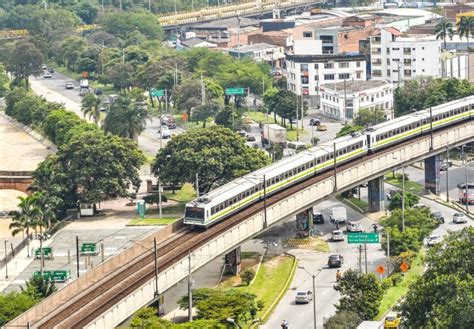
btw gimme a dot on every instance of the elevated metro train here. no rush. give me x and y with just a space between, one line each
248 189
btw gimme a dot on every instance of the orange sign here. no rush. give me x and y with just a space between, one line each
184 117
404 267
380 269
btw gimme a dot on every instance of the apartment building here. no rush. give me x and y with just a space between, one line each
397 59
343 100
305 73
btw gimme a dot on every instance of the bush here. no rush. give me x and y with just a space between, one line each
247 276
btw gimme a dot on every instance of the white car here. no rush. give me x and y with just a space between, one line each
47 75
459 218
164 132
337 235
354 227
303 297
434 239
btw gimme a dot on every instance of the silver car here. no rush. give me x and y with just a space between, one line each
337 235
459 218
354 227
303 297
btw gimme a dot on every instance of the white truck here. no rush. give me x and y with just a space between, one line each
273 134
338 215
84 84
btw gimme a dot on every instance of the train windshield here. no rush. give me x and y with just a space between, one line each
194 213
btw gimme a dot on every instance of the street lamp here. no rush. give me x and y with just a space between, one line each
403 197
314 291
6 259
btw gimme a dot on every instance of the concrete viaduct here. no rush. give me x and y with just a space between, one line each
91 301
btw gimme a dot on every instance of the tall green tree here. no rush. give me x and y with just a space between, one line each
367 117
90 106
466 28
442 297
25 60
13 304
349 129
360 293
125 118
443 30
215 154
343 320
38 287
26 217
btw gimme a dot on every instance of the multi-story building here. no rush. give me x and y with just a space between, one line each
305 73
397 58
343 100
271 54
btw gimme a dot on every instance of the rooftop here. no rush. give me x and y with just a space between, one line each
254 47
192 42
227 23
356 87
324 58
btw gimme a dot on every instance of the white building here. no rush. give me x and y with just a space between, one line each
272 54
454 65
305 73
396 58
374 95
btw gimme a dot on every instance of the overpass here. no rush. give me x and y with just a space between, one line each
114 290
16 180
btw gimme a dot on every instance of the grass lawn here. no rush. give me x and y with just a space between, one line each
362 204
152 221
410 186
270 281
185 194
393 294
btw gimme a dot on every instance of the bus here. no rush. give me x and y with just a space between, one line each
462 193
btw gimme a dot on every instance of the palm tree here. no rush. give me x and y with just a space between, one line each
91 107
465 28
126 119
444 29
28 215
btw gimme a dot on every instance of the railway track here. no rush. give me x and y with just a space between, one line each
102 295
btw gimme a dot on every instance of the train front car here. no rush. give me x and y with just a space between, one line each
195 213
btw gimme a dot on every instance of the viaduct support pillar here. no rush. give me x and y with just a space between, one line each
232 262
376 195
432 183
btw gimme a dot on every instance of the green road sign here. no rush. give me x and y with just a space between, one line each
56 276
47 252
360 238
88 248
157 93
234 91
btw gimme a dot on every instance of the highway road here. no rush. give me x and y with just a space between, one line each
54 90
301 316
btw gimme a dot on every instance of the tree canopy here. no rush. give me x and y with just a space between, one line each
442 297
215 154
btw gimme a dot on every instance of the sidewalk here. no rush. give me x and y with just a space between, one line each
19 263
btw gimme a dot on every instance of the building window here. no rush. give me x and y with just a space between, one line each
328 65
329 77
343 65
316 77
316 66
395 49
358 75
307 34
344 76
388 73
358 64
388 61
326 38
328 50
304 80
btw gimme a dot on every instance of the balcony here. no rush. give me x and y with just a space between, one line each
377 73
375 41
406 51
407 61
376 51
376 63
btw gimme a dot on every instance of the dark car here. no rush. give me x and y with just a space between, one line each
438 216
314 122
250 138
51 70
98 92
318 218
335 261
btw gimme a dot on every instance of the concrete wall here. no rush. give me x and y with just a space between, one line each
15 180
301 200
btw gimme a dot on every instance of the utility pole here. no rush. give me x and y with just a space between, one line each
166 100
41 255
149 5
6 259
159 197
466 190
388 252
197 185
345 101
265 201
302 111
314 302
157 294
447 173
77 255
190 293
431 130
120 2
360 259
296 105
335 166
403 199
238 37
175 74
203 92
365 252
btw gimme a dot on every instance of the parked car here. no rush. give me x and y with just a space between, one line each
51 70
318 218
421 206
354 227
314 122
391 321
242 133
164 132
98 91
303 297
44 67
69 85
47 75
250 138
433 239
335 261
459 218
337 235
438 216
